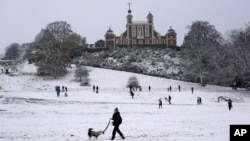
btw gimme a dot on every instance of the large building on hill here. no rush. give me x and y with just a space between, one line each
140 33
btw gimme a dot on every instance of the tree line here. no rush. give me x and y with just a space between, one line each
206 56
211 59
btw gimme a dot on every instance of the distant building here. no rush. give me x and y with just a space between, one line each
100 44
140 33
91 46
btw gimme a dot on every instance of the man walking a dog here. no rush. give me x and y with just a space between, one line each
117 120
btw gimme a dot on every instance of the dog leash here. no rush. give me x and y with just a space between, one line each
106 127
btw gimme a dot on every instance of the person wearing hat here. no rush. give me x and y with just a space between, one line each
117 120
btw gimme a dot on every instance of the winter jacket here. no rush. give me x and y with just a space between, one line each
117 119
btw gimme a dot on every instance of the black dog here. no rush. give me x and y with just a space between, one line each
95 134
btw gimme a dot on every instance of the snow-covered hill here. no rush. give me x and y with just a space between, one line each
30 109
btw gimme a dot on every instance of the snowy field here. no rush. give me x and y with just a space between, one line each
30 110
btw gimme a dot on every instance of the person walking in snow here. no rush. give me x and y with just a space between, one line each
62 88
230 105
179 87
160 104
58 91
97 88
170 88
117 121
199 101
94 88
132 94
169 99
192 90
149 88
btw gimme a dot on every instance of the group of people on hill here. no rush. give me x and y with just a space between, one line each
95 89
64 89
170 89
117 119
6 71
168 99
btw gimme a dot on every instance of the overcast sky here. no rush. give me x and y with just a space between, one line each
22 20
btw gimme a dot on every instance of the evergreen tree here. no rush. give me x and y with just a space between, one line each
50 60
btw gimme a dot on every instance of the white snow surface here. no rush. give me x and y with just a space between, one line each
31 111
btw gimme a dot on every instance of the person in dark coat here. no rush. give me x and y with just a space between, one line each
132 94
117 120
58 90
97 88
179 87
94 88
149 88
192 89
160 104
199 102
230 105
170 88
169 99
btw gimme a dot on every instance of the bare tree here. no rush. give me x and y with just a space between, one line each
238 54
53 54
60 30
199 44
81 72
133 82
12 52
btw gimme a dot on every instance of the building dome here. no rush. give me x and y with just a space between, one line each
109 32
150 14
171 31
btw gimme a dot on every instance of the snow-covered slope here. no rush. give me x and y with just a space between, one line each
30 109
